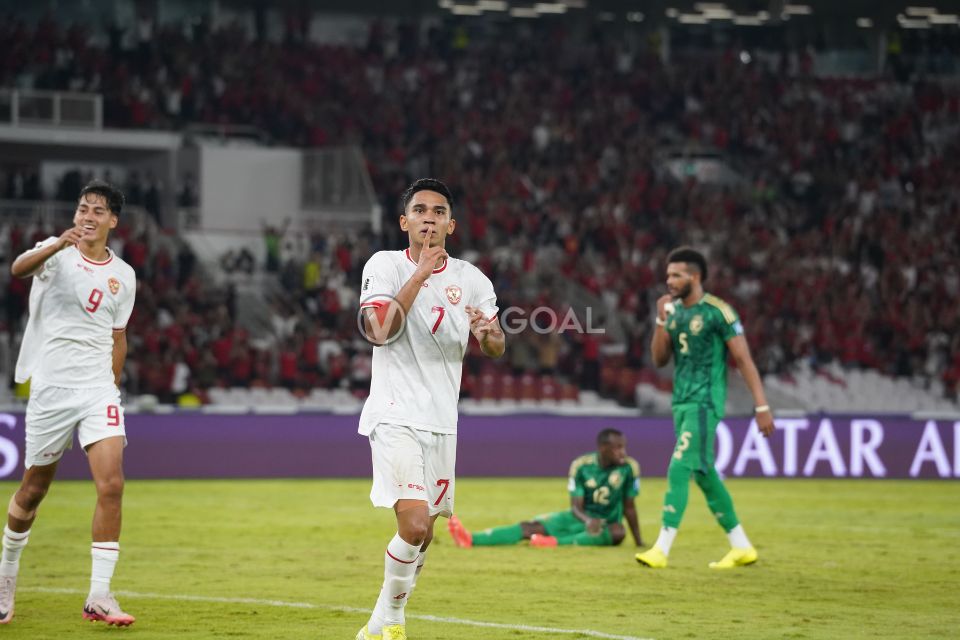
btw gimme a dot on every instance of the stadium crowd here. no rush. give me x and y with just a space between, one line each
839 240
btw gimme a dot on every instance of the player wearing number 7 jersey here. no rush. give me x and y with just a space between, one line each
418 307
72 353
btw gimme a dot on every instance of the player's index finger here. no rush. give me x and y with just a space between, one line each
426 242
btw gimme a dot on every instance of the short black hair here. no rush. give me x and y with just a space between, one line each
426 184
112 195
604 436
689 255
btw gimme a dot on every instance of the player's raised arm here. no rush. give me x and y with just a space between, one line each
29 262
660 347
741 353
383 320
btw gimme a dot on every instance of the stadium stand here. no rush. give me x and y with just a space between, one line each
833 230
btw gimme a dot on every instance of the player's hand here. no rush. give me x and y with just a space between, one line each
480 327
594 526
70 237
765 423
662 302
429 256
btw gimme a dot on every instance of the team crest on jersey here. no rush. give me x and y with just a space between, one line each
696 325
454 294
614 480
114 285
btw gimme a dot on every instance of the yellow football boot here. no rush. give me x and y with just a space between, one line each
736 558
653 558
395 632
363 634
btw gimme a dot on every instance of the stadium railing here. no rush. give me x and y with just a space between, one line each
51 108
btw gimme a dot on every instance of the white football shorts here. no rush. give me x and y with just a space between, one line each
54 412
410 464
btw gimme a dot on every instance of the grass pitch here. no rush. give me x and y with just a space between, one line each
838 559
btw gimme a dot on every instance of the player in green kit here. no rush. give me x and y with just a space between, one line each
699 330
602 487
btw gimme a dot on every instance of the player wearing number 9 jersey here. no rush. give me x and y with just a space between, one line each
72 353
418 307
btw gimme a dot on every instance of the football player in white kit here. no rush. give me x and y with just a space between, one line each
420 306
73 351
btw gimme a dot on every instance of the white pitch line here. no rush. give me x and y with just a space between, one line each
330 607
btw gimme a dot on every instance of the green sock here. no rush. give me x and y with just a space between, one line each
510 534
718 498
602 539
678 490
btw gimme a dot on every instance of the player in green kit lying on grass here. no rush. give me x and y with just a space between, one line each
602 488
698 330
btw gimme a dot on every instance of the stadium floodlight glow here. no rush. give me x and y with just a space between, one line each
718 14
672 13
635 16
865 23
493 5
550 7
524 12
693 18
921 11
466 10
944 18
798 9
907 23
748 21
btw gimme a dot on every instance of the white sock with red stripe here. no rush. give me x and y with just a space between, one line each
105 556
13 544
399 570
416 574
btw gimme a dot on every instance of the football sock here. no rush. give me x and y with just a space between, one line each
738 538
399 568
718 498
510 534
665 539
105 556
13 544
678 491
416 574
586 539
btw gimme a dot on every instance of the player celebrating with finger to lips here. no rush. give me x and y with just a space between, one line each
418 307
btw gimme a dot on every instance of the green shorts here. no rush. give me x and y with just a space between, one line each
696 429
561 523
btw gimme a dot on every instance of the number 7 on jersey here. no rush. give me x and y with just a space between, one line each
439 318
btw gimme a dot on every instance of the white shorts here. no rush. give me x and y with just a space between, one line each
54 412
410 464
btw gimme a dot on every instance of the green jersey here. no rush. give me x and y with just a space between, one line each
699 337
603 490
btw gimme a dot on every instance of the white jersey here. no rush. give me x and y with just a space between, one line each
416 378
75 305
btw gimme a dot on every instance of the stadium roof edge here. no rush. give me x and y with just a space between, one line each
95 138
821 8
